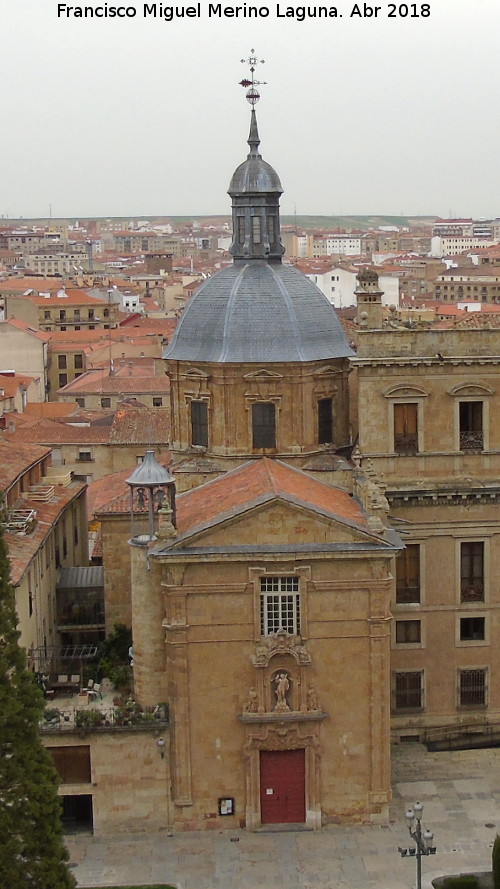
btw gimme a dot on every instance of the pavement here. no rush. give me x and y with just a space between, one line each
460 791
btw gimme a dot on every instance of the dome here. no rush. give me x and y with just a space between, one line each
258 312
255 175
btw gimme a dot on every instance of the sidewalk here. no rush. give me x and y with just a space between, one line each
461 796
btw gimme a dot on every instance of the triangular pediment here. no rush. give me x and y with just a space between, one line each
263 374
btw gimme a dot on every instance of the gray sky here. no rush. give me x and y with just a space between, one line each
145 117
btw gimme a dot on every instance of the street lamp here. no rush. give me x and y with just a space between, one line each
423 839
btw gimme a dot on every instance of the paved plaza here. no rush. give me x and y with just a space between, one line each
460 791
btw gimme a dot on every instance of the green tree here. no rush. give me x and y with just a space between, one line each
495 861
32 851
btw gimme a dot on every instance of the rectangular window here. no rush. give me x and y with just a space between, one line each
472 571
78 362
405 428
408 575
76 314
471 425
157 402
241 229
279 605
408 631
263 425
199 423
80 402
105 402
471 628
325 421
46 313
72 764
84 457
61 362
256 229
91 314
472 688
271 229
63 379
62 314
408 691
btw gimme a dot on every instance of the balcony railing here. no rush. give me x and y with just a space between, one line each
471 441
406 442
128 716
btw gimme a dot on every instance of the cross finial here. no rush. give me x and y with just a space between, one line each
252 94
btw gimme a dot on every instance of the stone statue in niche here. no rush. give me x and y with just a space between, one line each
252 705
281 688
312 698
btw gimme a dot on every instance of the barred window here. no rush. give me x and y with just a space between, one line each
472 571
472 688
279 605
408 691
471 425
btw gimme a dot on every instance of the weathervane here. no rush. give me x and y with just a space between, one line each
252 94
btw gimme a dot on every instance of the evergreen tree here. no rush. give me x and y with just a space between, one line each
32 851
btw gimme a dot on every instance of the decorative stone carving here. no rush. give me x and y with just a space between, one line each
281 643
281 688
312 698
252 704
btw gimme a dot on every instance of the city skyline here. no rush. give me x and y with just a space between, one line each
142 116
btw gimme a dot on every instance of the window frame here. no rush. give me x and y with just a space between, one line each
407 707
262 429
478 598
325 422
483 688
199 426
287 604
409 558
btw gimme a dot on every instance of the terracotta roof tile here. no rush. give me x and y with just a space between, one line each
16 460
258 480
22 547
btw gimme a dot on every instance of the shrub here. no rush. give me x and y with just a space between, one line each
495 862
464 881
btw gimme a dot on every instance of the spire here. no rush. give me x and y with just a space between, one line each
255 189
253 137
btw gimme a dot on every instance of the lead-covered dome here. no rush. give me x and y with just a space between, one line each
258 312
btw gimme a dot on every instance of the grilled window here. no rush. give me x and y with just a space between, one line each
408 575
279 605
471 425
263 425
199 423
472 688
408 691
405 428
472 571
407 631
325 421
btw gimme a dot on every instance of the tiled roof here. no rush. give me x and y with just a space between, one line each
131 380
22 547
11 383
51 432
141 426
260 481
14 460
21 325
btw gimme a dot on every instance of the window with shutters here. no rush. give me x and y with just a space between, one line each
199 423
325 421
471 425
472 571
408 690
406 428
408 575
263 424
472 688
279 605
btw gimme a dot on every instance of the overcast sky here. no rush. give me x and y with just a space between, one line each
108 117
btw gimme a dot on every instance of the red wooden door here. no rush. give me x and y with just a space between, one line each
282 786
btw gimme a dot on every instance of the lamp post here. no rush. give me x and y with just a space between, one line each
423 839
